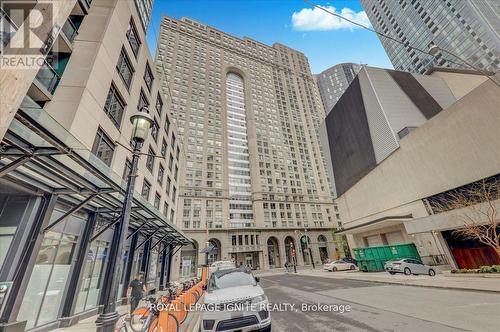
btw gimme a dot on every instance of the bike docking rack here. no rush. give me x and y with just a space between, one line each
165 313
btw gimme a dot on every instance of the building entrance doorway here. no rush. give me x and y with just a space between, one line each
249 261
305 243
189 260
470 254
323 249
246 259
273 252
290 250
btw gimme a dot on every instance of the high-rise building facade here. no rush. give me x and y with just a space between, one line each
333 82
469 29
65 160
144 8
254 181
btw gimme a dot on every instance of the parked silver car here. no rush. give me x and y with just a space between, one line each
409 266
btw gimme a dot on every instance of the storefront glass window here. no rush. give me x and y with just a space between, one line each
153 267
45 289
123 270
92 277
12 208
6 235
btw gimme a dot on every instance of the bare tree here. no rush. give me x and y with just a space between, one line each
476 205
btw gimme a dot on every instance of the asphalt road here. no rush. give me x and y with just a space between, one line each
375 306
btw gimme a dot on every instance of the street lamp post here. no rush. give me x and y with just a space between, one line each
108 317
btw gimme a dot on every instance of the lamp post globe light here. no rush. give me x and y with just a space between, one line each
433 50
142 123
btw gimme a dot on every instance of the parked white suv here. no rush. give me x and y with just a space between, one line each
234 301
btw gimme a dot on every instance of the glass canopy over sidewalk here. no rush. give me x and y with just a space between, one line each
39 153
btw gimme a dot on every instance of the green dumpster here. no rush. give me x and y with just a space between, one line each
372 259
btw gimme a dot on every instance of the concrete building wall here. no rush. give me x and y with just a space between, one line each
375 112
456 147
376 92
79 101
428 154
460 84
78 108
15 83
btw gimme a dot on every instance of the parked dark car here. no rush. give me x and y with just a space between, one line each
350 260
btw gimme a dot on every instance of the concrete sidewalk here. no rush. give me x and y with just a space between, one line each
88 324
473 283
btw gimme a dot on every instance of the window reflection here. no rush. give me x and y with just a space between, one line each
44 293
92 276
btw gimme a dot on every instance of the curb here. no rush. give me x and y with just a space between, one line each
416 285
473 275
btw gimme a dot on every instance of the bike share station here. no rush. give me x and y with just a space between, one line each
169 310
70 255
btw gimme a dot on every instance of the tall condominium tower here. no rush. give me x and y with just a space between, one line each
254 182
333 82
469 29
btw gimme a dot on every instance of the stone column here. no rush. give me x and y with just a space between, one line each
282 251
298 251
263 259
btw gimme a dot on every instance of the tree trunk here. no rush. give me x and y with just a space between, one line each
497 250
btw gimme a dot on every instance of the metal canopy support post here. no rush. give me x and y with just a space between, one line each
111 224
70 212
146 257
137 229
14 164
168 253
164 236
162 269
129 263
147 238
168 267
168 245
